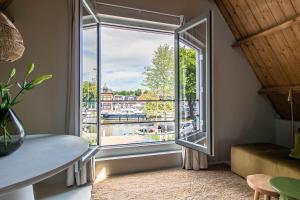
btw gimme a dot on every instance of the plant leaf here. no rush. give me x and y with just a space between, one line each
28 86
30 69
40 79
12 73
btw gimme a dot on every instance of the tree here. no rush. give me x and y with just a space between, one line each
138 92
124 93
187 70
89 91
159 79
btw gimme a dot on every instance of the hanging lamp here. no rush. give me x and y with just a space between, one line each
11 41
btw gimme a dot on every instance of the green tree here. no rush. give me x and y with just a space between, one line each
138 92
160 77
89 91
187 70
124 93
159 80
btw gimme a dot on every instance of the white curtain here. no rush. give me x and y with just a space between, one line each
192 159
81 174
76 174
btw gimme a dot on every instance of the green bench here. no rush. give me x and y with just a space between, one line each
263 158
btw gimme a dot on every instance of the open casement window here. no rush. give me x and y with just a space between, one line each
122 109
193 75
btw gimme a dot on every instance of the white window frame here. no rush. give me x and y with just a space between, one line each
136 148
208 111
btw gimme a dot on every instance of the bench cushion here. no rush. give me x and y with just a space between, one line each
263 158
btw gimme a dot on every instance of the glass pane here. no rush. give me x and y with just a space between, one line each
89 132
192 84
137 86
89 86
116 134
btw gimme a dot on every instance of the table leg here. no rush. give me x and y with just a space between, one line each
256 195
25 193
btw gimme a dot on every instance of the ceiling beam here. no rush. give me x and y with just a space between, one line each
268 31
279 90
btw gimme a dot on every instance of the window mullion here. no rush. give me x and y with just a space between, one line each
98 83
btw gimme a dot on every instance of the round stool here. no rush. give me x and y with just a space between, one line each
260 184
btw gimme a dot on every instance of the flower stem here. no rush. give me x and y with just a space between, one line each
20 92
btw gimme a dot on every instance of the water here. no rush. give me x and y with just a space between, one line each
131 129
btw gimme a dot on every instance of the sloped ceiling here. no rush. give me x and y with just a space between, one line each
268 32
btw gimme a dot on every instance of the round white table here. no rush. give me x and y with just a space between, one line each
40 157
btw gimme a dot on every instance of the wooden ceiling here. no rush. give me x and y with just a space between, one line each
268 32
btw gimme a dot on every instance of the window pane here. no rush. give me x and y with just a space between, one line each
113 134
137 85
192 84
89 133
89 86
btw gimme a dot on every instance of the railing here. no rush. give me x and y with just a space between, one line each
139 120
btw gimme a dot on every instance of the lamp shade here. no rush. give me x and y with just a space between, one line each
11 41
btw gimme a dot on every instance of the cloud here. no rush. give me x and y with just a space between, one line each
124 55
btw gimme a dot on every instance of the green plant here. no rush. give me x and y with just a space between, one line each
6 99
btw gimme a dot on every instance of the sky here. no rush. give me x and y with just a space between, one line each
124 56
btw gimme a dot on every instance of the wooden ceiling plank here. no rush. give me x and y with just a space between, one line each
246 17
258 16
265 66
296 5
294 46
287 8
269 52
293 64
296 30
258 70
267 15
273 66
228 19
270 30
280 52
235 18
277 12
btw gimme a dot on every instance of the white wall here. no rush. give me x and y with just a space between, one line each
241 115
43 25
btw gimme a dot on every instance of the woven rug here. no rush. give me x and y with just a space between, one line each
217 183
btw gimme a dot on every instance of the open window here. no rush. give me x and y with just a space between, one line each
193 59
128 79
127 82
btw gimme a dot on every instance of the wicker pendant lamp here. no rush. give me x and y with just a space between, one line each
11 41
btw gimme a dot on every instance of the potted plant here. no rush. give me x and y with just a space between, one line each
12 132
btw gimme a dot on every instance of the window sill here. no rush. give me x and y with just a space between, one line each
142 149
138 155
